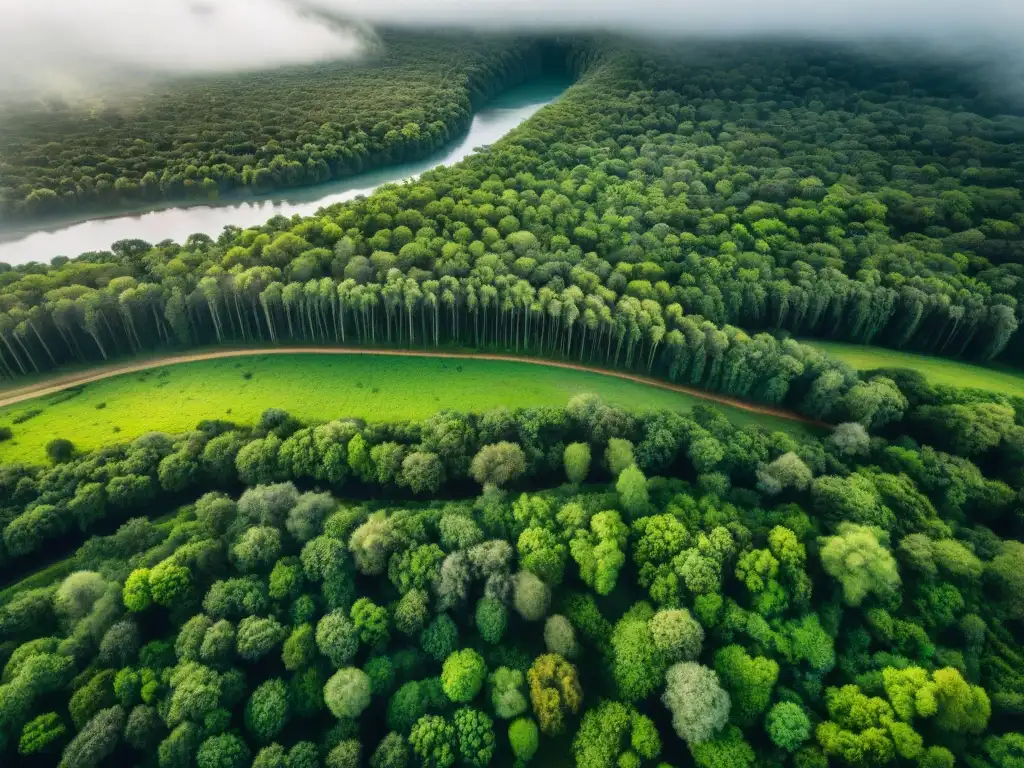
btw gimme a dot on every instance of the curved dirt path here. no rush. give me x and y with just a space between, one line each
67 381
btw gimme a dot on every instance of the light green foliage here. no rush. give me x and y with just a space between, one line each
337 638
657 539
788 725
676 635
371 544
697 701
637 665
286 579
632 489
788 471
612 733
576 459
599 552
542 554
530 596
432 740
370 621
507 697
257 549
618 455
347 693
858 730
498 464
169 583
524 738
416 567
956 705
875 403
857 559
422 472
223 751
344 755
560 636
306 518
459 530
273 756
258 637
412 612
78 593
136 594
462 675
726 750
851 500
850 438
41 734
749 681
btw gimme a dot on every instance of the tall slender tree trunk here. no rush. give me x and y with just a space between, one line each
42 341
14 354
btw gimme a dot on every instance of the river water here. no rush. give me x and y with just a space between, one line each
490 123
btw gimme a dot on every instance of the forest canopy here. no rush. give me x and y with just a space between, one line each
601 615
582 585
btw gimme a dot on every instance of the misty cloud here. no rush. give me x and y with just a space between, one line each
926 20
61 44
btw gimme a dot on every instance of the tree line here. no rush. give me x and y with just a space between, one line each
623 588
637 221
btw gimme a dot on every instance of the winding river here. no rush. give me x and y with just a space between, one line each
490 123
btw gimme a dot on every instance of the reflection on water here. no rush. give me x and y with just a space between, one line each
491 123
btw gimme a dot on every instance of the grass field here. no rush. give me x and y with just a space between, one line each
312 387
939 370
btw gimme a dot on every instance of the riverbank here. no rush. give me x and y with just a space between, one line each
176 221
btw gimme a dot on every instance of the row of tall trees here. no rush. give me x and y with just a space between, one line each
126 316
640 193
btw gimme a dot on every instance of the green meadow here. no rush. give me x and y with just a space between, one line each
312 387
938 370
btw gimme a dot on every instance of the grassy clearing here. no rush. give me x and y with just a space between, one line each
1004 381
312 387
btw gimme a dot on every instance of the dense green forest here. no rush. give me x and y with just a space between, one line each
581 585
626 590
660 205
198 140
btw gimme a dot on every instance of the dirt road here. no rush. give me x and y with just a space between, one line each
60 383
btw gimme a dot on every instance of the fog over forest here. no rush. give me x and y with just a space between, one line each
65 44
